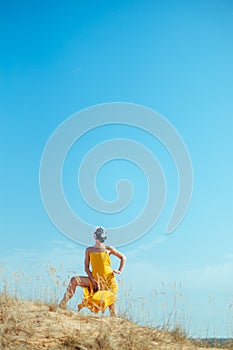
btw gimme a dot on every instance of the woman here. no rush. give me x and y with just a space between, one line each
100 287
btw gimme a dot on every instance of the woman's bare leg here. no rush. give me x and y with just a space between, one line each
112 309
75 281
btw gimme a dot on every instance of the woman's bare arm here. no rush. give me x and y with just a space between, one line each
121 256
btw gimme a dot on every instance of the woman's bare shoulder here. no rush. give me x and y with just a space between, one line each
114 251
110 249
94 249
90 249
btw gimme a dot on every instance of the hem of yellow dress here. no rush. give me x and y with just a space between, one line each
94 307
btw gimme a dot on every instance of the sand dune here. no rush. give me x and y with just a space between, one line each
31 325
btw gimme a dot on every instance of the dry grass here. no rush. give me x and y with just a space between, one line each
33 325
40 324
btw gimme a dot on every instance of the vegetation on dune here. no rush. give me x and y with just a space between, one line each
33 325
40 324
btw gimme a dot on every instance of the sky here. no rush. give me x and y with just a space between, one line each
174 57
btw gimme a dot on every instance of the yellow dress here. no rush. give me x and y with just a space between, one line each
103 274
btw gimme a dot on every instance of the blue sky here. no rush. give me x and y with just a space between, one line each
174 57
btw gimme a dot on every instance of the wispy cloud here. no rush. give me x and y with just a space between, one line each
63 255
215 276
133 253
